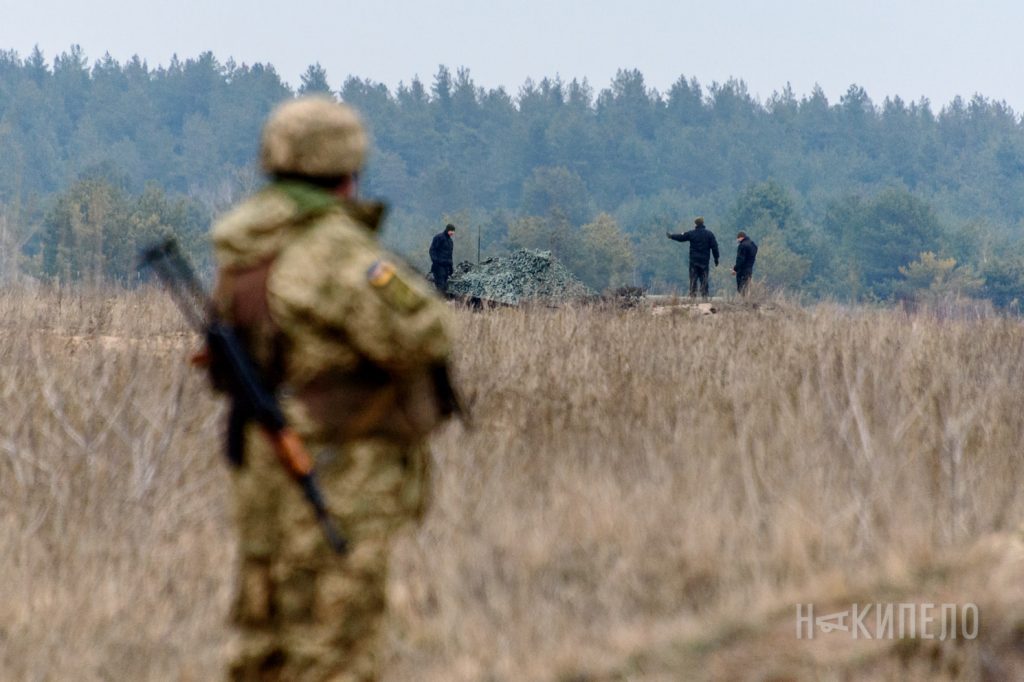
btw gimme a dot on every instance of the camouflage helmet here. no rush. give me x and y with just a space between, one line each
314 137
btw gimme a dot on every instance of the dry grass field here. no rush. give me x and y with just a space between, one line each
641 497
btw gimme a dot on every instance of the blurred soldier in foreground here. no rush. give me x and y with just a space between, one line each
441 264
746 254
354 344
702 246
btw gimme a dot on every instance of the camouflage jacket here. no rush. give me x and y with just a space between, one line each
347 332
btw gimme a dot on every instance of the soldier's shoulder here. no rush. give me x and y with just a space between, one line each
332 247
338 234
252 228
337 256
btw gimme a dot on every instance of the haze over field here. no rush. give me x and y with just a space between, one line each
648 488
912 48
847 139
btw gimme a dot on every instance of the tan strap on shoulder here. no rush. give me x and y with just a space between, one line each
241 294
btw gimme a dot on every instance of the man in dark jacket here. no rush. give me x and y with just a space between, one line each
746 253
441 266
702 246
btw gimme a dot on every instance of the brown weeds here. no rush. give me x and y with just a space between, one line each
627 476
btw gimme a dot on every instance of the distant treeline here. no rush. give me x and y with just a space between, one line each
853 199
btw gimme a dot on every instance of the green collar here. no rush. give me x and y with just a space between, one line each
312 201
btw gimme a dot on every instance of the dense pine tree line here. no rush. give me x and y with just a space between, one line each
844 196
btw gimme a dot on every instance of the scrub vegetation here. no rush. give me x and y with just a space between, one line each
639 497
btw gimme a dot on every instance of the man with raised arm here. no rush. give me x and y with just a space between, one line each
703 245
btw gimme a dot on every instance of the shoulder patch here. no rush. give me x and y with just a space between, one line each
380 273
384 277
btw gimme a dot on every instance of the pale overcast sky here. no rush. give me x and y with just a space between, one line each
910 48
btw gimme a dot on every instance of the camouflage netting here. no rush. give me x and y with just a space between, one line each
522 276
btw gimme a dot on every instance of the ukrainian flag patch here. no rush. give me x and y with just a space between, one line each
380 273
384 277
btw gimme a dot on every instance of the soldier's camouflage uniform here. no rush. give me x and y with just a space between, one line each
347 335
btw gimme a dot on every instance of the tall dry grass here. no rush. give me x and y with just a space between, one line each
627 476
115 555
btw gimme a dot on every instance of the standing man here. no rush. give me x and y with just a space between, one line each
441 265
356 347
746 254
702 246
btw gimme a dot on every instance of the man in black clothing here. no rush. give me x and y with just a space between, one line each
441 266
702 246
746 253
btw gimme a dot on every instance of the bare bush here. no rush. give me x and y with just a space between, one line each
112 519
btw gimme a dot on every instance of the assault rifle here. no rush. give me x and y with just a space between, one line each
251 399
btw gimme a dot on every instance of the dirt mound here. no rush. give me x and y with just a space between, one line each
984 581
521 276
